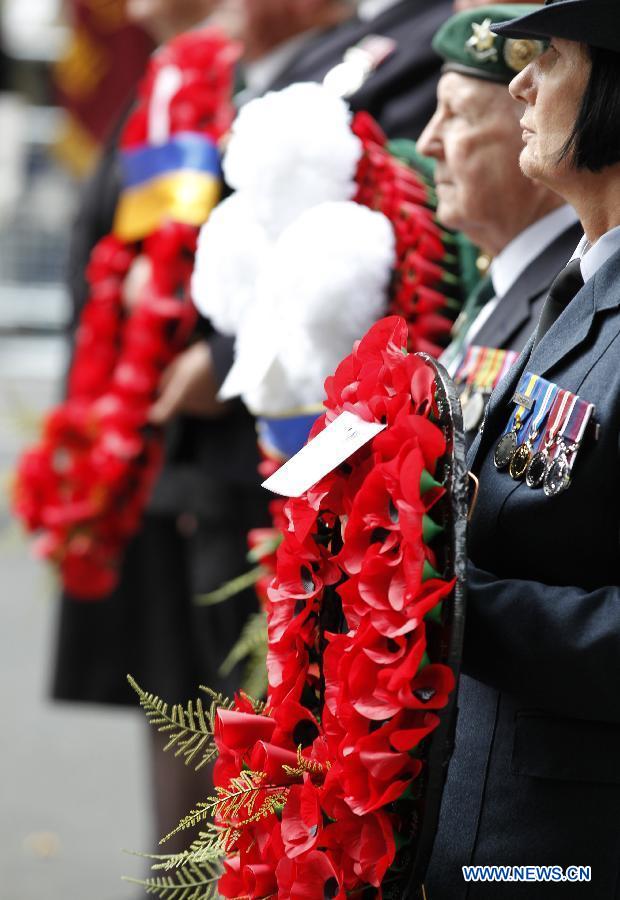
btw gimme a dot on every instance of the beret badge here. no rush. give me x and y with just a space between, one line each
519 52
481 44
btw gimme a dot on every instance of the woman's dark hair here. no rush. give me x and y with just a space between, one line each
595 139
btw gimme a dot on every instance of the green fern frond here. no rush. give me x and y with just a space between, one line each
203 811
235 806
190 728
241 795
259 706
232 588
209 847
192 883
253 638
255 680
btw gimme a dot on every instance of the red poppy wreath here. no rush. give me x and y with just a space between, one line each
84 487
323 791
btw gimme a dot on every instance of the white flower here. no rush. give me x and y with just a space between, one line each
232 248
291 150
326 282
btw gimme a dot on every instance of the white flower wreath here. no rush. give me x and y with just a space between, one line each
289 264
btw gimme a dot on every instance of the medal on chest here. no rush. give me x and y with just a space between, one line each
525 397
544 434
558 474
545 393
537 466
478 375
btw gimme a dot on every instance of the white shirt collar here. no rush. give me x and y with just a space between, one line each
596 255
370 9
523 250
261 73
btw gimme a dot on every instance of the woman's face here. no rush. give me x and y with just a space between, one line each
552 87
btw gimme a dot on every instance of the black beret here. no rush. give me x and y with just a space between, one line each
593 22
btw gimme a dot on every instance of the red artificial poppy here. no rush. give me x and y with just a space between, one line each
310 877
364 846
302 819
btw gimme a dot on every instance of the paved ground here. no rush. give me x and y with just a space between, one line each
72 780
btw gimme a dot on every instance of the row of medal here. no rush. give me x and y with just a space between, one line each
477 377
543 437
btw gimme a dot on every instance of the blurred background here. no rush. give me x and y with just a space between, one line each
72 789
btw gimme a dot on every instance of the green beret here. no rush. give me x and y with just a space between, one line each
468 45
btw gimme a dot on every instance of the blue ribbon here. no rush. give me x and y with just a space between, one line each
184 151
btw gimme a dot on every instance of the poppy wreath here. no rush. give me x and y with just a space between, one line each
420 278
85 485
319 792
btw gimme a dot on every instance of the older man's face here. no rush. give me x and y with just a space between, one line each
476 139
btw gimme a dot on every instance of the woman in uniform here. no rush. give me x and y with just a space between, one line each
534 782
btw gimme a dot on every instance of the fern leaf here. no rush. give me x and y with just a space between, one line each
233 587
201 813
209 847
255 678
240 796
190 729
259 706
253 638
192 883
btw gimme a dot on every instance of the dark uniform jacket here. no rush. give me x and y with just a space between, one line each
401 93
535 776
513 320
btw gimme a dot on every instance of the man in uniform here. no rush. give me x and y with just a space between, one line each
380 60
525 228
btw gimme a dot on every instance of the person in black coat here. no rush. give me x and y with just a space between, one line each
193 536
399 86
535 776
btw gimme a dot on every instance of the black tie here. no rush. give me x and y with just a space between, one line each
562 291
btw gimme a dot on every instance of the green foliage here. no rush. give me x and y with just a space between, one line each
208 847
251 646
232 588
190 728
194 882
267 547
201 813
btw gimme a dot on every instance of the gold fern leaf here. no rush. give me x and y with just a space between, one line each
191 883
203 811
210 846
241 794
190 728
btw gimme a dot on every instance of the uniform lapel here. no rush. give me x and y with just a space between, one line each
515 307
567 332
599 295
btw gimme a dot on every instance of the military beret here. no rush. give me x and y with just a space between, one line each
593 22
468 45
